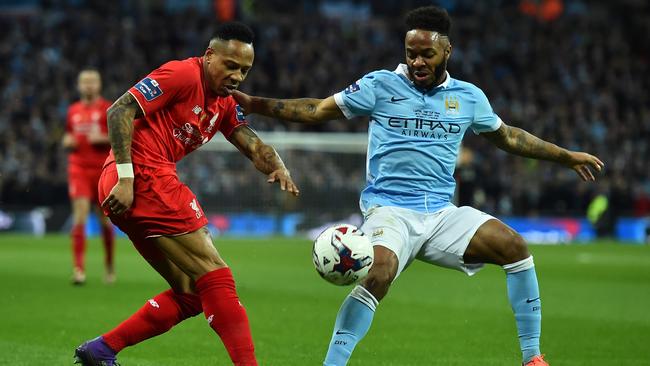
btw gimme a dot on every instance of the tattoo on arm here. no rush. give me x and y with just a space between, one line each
120 118
519 142
268 159
299 110
263 156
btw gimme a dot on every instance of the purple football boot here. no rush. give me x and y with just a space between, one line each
95 353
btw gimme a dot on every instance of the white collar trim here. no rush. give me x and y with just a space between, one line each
403 70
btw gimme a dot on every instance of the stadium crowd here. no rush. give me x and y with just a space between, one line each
577 78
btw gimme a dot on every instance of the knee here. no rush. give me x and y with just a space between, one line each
516 249
188 303
379 280
106 223
182 285
204 266
79 218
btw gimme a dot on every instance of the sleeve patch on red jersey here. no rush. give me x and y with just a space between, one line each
239 114
149 88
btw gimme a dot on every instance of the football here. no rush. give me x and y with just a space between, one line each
342 254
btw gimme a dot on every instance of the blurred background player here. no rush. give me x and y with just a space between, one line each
419 115
86 139
171 112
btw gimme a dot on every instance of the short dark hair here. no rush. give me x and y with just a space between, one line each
431 18
234 30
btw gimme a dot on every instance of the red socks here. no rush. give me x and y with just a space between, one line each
78 235
218 300
109 245
226 315
157 316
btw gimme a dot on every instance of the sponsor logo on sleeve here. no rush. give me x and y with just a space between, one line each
354 87
149 88
239 114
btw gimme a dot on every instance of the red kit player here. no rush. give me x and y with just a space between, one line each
168 114
86 137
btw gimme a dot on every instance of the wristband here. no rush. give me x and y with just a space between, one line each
124 170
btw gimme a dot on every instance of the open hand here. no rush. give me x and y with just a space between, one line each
582 163
286 183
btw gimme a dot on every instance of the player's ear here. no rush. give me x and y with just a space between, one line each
447 52
209 55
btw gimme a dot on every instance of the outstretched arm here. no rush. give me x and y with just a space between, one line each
264 157
519 142
305 110
120 118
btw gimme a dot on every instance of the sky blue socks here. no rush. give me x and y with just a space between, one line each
523 292
358 309
352 324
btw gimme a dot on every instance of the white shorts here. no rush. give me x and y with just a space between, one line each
439 238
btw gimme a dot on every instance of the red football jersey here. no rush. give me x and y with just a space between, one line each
181 114
84 119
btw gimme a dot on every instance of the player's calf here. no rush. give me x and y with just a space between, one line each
523 293
197 257
226 315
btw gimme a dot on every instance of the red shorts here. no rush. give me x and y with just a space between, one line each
162 204
83 181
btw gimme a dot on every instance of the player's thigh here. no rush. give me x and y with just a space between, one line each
80 209
497 243
175 277
389 236
450 231
194 253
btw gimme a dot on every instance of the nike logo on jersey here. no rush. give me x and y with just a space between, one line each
338 332
531 300
395 99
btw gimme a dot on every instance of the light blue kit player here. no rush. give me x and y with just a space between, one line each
418 116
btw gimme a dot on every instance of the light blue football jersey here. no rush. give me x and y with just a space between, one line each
414 136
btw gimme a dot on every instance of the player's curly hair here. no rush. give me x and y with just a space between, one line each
431 18
234 30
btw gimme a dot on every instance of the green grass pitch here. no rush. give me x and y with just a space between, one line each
596 308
